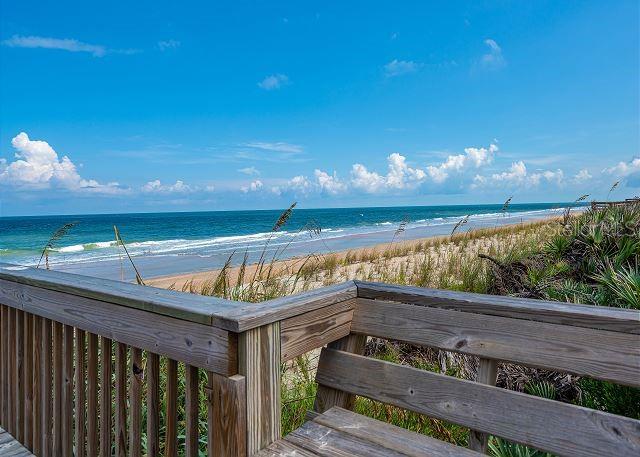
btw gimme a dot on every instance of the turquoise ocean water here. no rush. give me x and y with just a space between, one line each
171 243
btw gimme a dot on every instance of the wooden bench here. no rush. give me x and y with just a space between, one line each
599 346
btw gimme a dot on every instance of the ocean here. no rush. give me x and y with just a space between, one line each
172 243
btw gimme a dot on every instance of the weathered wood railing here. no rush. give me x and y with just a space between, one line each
96 367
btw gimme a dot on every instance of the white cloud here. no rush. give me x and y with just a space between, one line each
582 176
623 169
276 147
252 187
250 171
472 158
64 44
166 45
493 59
518 175
400 67
156 187
399 176
38 166
273 82
329 183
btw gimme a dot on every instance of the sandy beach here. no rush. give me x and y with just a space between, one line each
360 261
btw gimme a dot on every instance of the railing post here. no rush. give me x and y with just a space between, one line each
259 363
487 374
226 410
327 397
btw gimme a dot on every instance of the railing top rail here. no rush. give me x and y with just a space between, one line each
590 316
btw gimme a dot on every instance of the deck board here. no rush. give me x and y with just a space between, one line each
9 447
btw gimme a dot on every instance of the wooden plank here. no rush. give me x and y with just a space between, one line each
197 344
487 374
259 362
226 408
12 372
67 392
10 447
92 395
611 356
303 333
36 421
136 375
58 382
387 435
251 315
4 366
121 400
189 307
106 435
284 448
596 317
20 419
80 400
28 381
45 386
171 440
153 404
549 425
326 441
191 411
327 397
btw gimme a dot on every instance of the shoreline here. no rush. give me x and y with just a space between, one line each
292 264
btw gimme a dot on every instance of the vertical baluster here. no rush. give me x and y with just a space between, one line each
45 386
170 442
191 411
80 394
92 395
4 365
36 420
121 400
226 416
67 392
11 385
105 398
487 374
135 406
13 373
58 376
28 381
152 376
20 422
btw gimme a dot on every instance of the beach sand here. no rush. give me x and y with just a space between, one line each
357 260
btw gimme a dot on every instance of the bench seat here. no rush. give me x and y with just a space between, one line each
339 432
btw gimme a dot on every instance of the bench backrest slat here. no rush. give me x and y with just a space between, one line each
601 354
556 427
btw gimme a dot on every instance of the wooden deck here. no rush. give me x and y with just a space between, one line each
9 447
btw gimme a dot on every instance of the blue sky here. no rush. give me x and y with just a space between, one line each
178 106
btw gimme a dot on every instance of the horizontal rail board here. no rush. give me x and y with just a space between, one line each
545 424
610 356
596 317
200 345
252 315
301 334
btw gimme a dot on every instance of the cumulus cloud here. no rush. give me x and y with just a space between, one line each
250 171
493 59
472 158
399 176
329 184
63 44
582 176
156 187
400 67
166 45
623 169
518 175
38 166
252 187
274 82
